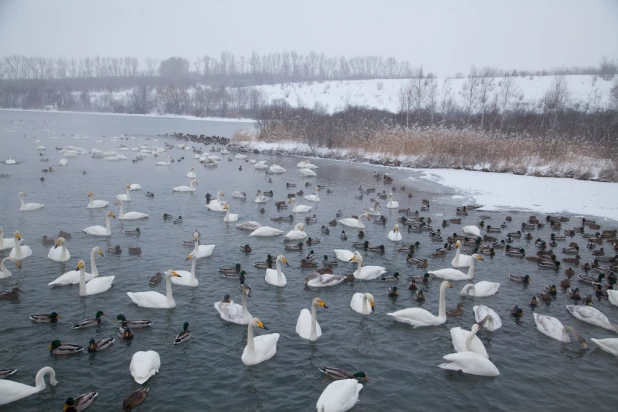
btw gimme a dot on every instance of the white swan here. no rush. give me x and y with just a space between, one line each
276 169
276 277
470 363
201 251
95 204
481 289
339 396
392 204
612 295
352 222
187 278
144 365
73 277
216 205
362 303
591 315
6 243
260 198
249 225
552 327
59 255
299 208
608 345
100 230
454 274
240 156
482 312
467 341
394 235
96 286
129 215
298 233
189 188
229 217
266 231
191 174
307 325
315 197
259 348
155 299
20 251
134 186
373 211
471 230
10 161
28 206
306 172
4 271
233 312
318 280
261 165
460 260
344 255
63 162
11 391
420 317
126 197
366 272
306 164
169 162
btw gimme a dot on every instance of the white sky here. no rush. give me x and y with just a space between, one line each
445 36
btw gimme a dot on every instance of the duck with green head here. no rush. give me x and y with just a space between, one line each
80 403
46 318
183 336
424 278
137 323
393 292
420 296
100 344
88 323
58 348
337 374
233 269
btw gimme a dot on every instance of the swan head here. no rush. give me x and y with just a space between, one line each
300 226
128 186
191 256
317 189
371 300
246 289
99 251
445 283
196 235
221 194
111 214
226 207
256 323
193 168
17 235
396 228
320 302
458 244
282 259
477 256
59 242
292 200
170 273
80 265
22 194
356 258
90 194
475 328
390 195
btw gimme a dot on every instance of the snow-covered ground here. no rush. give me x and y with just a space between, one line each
501 191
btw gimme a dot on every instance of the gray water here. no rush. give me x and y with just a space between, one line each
206 373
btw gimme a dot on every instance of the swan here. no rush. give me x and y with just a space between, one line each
249 225
460 260
169 162
318 280
392 204
394 235
191 174
28 206
470 363
189 188
420 317
306 164
307 325
10 161
135 186
126 197
315 197
11 391
298 233
362 303
187 278
19 252
482 312
153 299
608 345
454 274
552 327
351 222
229 217
260 348
299 208
59 255
4 271
73 277
63 162
233 312
201 251
481 289
306 172
100 230
276 169
344 255
471 230
239 195
591 315
260 198
276 277
216 205
467 341
261 165
129 215
6 243
366 272
95 204
96 286
339 396
240 156
144 365
373 211
266 231
612 295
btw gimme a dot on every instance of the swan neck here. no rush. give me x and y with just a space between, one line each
312 334
168 291
250 343
82 282
4 269
442 308
468 290
17 248
244 303
122 208
279 274
193 264
360 266
366 304
469 339
108 224
91 203
63 251
93 265
471 269
22 201
40 378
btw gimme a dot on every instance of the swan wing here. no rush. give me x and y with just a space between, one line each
343 255
613 297
591 315
272 278
303 325
481 311
25 252
99 284
11 391
340 395
357 303
416 317
56 254
484 288
459 336
449 274
266 345
470 363
95 230
326 280
351 222
461 261
144 365
549 326
205 251
70 278
369 272
148 299
296 234
607 345
266 231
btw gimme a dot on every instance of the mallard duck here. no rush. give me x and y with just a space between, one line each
167 216
586 301
440 252
245 248
423 278
282 218
517 311
491 229
393 292
325 230
516 235
125 332
82 402
311 219
310 255
393 278
574 294
420 296
88 323
551 290
521 252
499 245
231 269
521 279
51 318
329 262
149 194
57 348
599 291
100 344
545 297
135 250
364 244
423 264
135 231
298 247
338 374
183 336
10 294
137 323
361 234
156 279
135 399
178 221
599 252
591 279
378 249
308 264
48 240
572 250
332 222
343 236
266 264
412 285
572 261
311 241
488 251
116 250
456 312
64 234
533 302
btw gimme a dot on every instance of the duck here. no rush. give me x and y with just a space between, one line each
144 365
12 294
332 222
591 279
517 312
521 279
149 194
125 332
549 264
135 232
392 292
153 299
81 402
533 302
135 399
329 262
116 250
307 264
366 272
88 323
412 285
307 326
184 335
454 274
11 391
28 206
325 230
46 318
267 264
245 248
276 277
261 348
420 296
418 317
574 294
312 241
521 252
424 278
156 279
231 269
457 312
136 323
481 289
96 204
58 348
100 344
393 278
338 374
340 395
343 236
298 246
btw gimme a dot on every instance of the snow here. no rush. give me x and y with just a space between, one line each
501 191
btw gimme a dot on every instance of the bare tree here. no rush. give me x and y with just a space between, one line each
72 69
13 66
406 100
470 91
485 90
432 98
556 99
508 90
446 101
62 68
418 86
151 66
613 95
140 100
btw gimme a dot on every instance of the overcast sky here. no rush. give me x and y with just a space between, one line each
443 36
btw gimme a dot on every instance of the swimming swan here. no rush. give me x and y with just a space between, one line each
125 197
487 314
362 303
130 215
4 271
96 286
100 230
266 231
189 188
59 255
187 278
299 208
394 235
95 204
315 197
153 299
592 316
201 251
73 277
420 317
470 363
276 277
352 222
144 365
260 348
480 290
467 341
233 312
28 206
298 233
454 274
6 243
460 260
339 396
552 327
366 272
19 252
307 325
233 217
11 391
